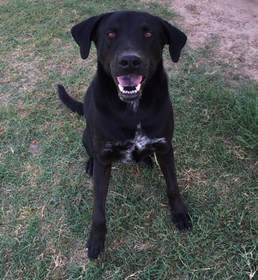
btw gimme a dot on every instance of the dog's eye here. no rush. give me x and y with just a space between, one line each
111 35
147 34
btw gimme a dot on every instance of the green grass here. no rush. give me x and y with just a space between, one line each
46 198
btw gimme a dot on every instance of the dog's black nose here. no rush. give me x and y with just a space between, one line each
130 61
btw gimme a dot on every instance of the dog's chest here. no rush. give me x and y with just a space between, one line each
133 150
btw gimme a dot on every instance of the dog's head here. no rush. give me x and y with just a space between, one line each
129 46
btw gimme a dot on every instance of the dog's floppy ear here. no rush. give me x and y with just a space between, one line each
83 33
175 38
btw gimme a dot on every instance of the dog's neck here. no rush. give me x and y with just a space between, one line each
133 105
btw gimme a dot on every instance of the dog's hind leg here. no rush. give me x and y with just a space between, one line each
148 162
89 163
89 167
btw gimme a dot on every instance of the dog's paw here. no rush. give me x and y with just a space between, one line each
148 162
89 167
182 221
95 246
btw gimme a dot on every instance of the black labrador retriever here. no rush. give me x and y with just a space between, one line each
127 107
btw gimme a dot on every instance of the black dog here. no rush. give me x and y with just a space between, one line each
127 107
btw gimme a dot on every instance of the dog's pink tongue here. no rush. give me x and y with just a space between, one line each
129 80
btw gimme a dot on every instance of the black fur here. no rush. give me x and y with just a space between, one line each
127 107
71 103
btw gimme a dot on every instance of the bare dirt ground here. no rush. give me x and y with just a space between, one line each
231 25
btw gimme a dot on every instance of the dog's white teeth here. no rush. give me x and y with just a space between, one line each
121 88
137 88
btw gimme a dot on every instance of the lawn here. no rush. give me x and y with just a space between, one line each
46 197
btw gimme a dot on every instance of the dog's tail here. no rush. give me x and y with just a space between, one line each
71 103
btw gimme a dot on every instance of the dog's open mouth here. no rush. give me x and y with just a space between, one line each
129 86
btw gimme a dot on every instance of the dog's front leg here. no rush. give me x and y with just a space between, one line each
96 242
179 211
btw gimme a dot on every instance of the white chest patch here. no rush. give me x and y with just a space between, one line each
139 143
132 150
